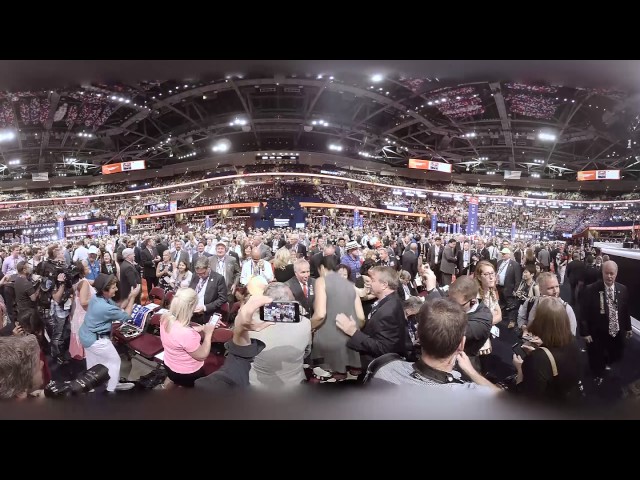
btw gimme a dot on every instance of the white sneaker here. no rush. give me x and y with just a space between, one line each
321 373
124 386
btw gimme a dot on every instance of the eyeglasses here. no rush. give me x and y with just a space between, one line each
467 302
488 274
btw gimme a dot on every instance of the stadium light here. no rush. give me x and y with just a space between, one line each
7 135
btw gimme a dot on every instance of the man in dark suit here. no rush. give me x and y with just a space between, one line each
149 259
180 255
410 260
508 279
464 259
199 253
314 264
277 243
576 271
298 249
302 286
227 266
483 252
161 246
129 274
385 331
605 321
434 257
211 290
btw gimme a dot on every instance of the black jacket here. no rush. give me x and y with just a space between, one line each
148 265
478 329
215 294
235 371
129 278
591 321
384 332
296 289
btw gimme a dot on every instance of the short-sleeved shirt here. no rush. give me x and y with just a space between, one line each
178 344
98 319
24 289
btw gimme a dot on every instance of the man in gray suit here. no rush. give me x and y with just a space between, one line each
449 262
302 285
265 251
227 266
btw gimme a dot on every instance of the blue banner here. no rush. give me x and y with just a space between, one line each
472 224
122 225
356 218
60 228
434 222
513 231
493 230
208 223
324 220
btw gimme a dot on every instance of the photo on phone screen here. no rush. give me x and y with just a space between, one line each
518 350
215 318
281 312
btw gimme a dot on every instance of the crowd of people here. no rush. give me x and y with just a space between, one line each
391 302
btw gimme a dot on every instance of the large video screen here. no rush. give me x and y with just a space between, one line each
430 165
123 167
586 175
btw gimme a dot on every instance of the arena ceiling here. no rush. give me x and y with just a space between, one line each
543 119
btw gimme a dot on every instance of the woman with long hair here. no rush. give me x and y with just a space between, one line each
282 266
334 295
181 277
164 271
485 275
551 371
83 292
109 266
184 355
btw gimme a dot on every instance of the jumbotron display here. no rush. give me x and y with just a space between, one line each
430 165
598 175
123 167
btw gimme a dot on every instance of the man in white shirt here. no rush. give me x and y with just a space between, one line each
549 287
280 364
81 252
257 267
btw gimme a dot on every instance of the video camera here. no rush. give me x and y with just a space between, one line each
84 383
51 269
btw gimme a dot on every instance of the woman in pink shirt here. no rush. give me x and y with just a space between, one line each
184 355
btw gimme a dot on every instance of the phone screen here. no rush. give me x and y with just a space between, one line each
281 312
215 318
518 350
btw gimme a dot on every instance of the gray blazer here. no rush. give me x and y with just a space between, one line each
231 269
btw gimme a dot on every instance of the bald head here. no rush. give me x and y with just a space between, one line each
255 254
609 272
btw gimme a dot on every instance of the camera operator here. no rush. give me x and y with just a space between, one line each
54 300
25 291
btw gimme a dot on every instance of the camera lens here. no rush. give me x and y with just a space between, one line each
90 379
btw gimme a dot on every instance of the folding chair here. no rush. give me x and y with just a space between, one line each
157 296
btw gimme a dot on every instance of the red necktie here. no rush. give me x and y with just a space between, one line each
304 290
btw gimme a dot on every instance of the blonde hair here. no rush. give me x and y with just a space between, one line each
282 258
181 310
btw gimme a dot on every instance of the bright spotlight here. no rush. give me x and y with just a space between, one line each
377 77
7 135
222 146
